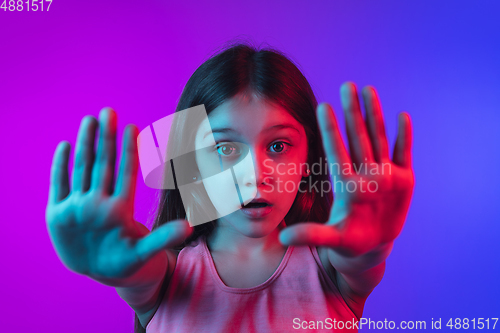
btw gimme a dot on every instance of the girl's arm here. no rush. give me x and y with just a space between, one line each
145 299
91 225
365 220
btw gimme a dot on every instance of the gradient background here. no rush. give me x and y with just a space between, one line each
437 60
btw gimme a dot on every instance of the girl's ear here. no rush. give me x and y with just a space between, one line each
306 171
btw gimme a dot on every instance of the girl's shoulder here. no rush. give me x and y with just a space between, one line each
173 255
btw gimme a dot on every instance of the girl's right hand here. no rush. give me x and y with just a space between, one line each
91 225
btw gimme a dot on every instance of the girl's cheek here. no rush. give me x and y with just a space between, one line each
284 178
223 193
219 182
287 171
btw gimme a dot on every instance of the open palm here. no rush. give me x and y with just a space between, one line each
91 225
372 192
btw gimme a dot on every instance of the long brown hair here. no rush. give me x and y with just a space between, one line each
241 67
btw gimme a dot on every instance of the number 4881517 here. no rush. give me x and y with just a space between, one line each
466 323
27 5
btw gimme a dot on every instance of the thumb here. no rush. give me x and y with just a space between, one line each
314 234
168 235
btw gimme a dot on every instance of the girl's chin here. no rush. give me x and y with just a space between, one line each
255 228
253 233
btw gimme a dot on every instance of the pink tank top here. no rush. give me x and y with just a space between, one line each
299 295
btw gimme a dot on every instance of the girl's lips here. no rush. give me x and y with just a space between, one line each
257 213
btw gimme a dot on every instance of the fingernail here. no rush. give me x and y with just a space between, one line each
106 113
345 94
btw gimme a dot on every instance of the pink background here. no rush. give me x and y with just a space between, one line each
438 61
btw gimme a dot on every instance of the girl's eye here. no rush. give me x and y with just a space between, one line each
227 149
279 147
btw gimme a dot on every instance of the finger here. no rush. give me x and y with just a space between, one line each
59 179
127 174
402 148
375 125
359 143
333 144
167 236
313 234
104 165
84 154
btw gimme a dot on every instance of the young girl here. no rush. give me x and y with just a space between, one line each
287 259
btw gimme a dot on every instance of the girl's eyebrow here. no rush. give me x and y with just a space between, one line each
219 130
281 126
276 127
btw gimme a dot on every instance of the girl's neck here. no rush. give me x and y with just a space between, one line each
226 239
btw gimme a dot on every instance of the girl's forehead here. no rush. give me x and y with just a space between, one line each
250 115
247 120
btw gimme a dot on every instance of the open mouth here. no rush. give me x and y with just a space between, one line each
257 209
257 203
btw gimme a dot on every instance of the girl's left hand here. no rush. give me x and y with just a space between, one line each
370 206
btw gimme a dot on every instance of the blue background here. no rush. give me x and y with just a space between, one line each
439 61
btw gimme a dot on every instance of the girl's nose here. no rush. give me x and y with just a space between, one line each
261 174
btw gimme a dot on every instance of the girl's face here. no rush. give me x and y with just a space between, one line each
268 149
